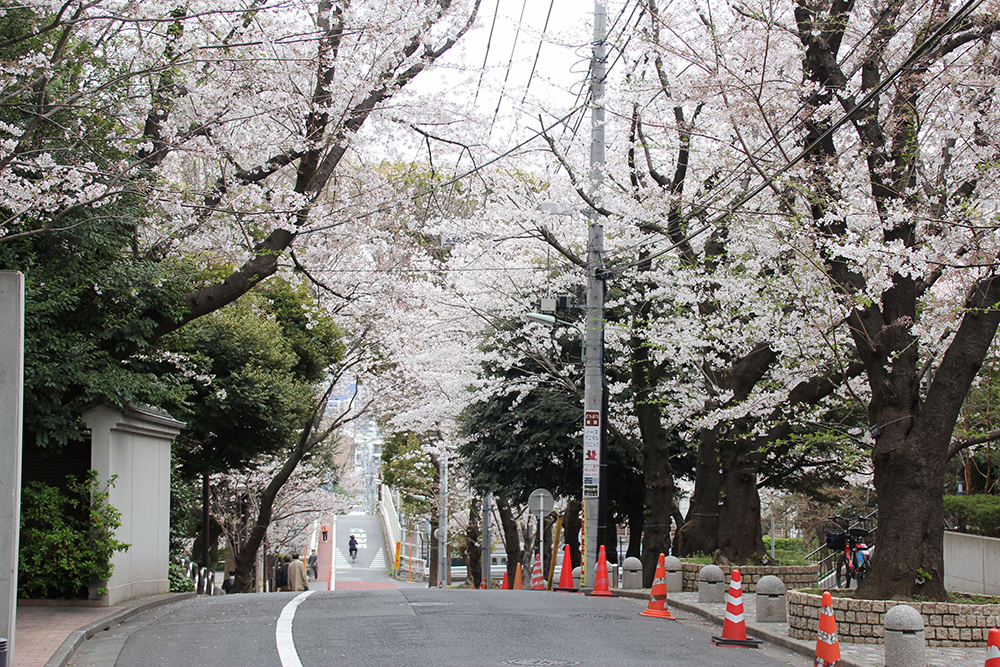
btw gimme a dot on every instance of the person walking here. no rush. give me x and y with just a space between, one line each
313 564
281 574
297 579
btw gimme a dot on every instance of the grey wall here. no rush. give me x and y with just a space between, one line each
11 400
134 444
971 563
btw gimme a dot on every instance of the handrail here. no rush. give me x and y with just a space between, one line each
828 564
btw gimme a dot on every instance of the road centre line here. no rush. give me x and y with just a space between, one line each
283 632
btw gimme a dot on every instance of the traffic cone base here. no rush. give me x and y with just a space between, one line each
566 575
601 587
734 628
658 596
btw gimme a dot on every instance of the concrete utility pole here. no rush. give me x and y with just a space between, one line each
487 548
443 550
11 406
593 416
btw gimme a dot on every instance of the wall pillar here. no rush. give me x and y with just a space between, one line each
11 406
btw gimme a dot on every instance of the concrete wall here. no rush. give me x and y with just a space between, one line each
134 444
971 563
11 403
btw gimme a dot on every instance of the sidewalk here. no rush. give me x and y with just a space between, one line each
47 636
852 655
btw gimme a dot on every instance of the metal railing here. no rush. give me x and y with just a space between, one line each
828 564
204 580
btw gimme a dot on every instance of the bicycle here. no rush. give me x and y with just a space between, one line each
855 559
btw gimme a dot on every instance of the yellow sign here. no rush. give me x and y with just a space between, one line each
399 548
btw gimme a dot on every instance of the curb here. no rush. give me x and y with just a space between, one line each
76 638
761 632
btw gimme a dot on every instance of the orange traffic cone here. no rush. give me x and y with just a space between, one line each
537 582
827 646
993 649
518 583
658 596
734 628
601 577
482 583
506 583
566 576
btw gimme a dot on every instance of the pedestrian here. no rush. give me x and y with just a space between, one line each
281 574
297 580
227 585
313 563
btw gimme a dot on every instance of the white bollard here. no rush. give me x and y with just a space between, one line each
711 584
904 637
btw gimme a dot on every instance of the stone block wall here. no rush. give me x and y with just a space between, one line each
863 621
793 577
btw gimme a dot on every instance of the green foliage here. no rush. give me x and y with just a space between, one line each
67 538
979 514
250 369
407 468
179 581
784 544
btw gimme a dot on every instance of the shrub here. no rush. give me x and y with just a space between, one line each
979 514
179 580
67 538
784 544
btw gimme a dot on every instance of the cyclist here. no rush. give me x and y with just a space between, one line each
352 548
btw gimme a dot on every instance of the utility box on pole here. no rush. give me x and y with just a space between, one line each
11 410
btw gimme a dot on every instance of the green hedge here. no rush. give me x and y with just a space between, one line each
978 514
67 538
784 544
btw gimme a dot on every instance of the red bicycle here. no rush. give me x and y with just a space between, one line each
855 560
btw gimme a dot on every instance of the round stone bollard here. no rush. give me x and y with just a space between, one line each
576 577
770 600
711 584
632 573
904 637
675 574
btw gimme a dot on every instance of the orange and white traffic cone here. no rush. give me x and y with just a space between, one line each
658 596
537 581
566 576
506 582
993 649
827 646
601 586
518 582
734 628
482 584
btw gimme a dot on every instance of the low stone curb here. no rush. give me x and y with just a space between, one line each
77 637
753 629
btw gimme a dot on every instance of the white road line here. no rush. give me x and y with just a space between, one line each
283 632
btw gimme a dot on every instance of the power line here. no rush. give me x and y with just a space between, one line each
510 63
541 41
489 41
916 54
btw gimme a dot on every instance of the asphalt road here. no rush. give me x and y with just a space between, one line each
371 620
415 626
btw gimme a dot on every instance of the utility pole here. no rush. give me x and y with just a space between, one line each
593 415
443 550
487 544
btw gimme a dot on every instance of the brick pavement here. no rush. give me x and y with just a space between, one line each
41 631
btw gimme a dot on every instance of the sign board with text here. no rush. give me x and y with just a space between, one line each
591 453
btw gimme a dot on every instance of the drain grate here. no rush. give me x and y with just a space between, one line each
540 662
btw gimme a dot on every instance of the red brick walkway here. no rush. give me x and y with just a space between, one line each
41 630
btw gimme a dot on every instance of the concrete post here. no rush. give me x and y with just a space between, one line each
711 584
11 406
904 637
632 573
771 607
675 574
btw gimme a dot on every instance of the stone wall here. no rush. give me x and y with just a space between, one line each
793 577
863 621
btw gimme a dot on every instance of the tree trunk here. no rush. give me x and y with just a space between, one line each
473 546
511 540
700 532
659 479
571 530
636 522
740 536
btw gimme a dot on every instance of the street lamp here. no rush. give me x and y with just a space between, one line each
553 321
